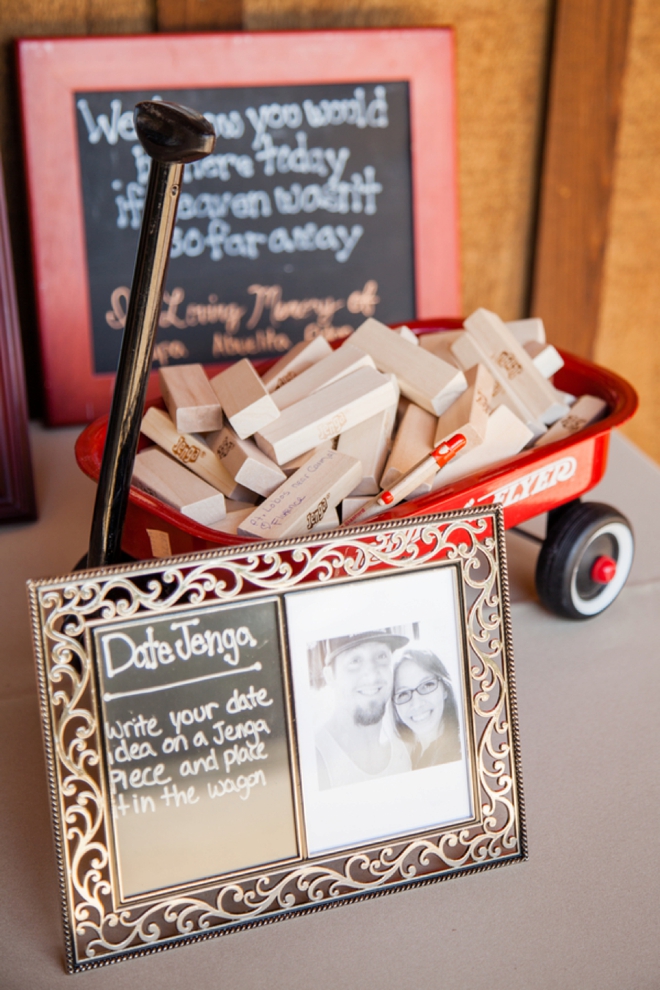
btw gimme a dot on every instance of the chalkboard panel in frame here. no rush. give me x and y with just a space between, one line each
331 195
238 737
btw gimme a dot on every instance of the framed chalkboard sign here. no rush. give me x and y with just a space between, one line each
239 737
330 197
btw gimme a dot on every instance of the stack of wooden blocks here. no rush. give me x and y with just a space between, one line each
322 431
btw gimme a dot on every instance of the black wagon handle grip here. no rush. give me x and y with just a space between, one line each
172 136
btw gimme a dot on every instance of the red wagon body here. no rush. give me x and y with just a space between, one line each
533 482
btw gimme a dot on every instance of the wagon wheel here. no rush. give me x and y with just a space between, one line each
585 559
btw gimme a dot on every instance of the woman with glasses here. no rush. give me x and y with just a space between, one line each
424 707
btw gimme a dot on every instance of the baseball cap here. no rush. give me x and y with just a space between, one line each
342 643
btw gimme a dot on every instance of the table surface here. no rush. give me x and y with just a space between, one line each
583 910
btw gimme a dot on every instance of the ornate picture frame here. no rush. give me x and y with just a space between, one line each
379 676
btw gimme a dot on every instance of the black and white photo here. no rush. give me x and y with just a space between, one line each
379 690
424 707
352 747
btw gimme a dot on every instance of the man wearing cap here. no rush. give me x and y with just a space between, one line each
353 745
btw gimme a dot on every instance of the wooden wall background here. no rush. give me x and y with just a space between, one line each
588 252
628 337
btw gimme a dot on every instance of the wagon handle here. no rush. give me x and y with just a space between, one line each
171 135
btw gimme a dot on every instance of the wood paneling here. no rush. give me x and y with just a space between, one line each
583 115
199 15
501 65
629 331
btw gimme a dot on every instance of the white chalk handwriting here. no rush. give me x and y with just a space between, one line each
121 652
280 145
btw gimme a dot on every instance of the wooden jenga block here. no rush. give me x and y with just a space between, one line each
408 335
515 366
469 353
344 361
167 480
401 407
585 411
469 414
440 344
413 440
506 436
301 503
297 462
244 399
370 443
546 358
192 403
351 504
237 505
232 521
301 357
330 521
326 414
424 378
248 465
526 330
193 452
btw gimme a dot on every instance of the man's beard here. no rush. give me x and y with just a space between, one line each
370 714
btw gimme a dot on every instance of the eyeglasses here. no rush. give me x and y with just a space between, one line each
403 696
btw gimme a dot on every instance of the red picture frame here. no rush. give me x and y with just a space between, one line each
17 500
52 70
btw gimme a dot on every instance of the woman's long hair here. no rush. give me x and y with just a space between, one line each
429 662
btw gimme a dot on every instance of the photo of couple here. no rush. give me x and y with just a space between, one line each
381 696
393 708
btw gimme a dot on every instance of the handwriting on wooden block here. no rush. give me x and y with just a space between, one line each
326 414
302 502
424 378
586 410
506 435
248 465
344 361
301 357
173 484
297 462
192 403
469 414
191 451
244 399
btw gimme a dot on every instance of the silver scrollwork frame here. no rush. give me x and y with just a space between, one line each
98 930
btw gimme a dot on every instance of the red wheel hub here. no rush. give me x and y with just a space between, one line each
603 570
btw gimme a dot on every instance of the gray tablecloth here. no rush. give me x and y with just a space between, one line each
582 912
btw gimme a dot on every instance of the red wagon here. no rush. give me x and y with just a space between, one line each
587 553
